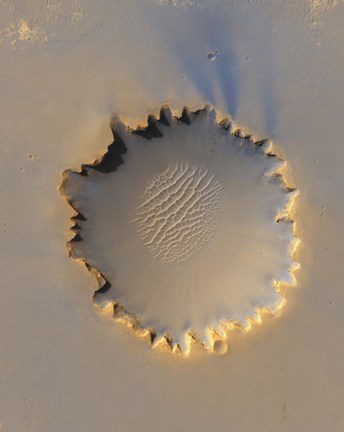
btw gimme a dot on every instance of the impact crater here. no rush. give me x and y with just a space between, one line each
186 225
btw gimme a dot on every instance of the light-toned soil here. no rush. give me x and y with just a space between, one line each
68 67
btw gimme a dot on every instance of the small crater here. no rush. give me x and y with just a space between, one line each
212 55
220 347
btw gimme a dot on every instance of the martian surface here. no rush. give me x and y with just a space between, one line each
172 201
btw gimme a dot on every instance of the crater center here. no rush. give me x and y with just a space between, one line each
178 213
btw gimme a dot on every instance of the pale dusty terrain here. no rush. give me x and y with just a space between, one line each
66 68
